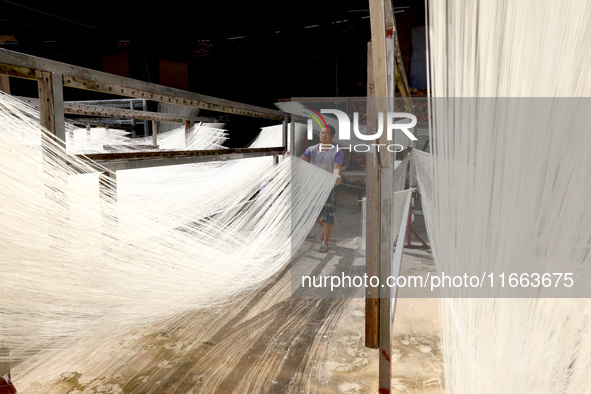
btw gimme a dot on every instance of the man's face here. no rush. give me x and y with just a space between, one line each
325 136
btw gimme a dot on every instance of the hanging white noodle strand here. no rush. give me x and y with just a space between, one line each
507 188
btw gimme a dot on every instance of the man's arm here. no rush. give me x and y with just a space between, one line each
338 169
339 158
306 155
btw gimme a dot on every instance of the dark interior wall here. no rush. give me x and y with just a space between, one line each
255 53
117 63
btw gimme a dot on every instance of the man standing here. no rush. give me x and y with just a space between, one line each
326 156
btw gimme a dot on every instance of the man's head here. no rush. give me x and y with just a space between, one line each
327 134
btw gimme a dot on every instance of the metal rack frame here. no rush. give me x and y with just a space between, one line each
53 76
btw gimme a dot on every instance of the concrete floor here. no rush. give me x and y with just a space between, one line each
266 342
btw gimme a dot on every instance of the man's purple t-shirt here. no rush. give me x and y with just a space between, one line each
318 158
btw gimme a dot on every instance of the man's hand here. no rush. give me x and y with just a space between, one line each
338 181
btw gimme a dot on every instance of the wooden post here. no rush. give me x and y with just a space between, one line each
154 133
378 37
372 217
51 111
384 65
133 121
51 105
5 83
387 303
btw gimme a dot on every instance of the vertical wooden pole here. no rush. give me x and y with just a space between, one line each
133 121
51 105
46 101
386 301
372 217
284 138
145 122
378 37
154 133
5 83
51 111
384 64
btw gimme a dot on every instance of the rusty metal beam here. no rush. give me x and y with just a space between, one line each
100 122
119 113
31 67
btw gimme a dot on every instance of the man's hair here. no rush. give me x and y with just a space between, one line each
331 129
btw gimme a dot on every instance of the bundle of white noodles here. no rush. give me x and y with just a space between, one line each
79 260
507 190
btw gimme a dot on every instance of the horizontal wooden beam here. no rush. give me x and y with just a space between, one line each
132 160
30 67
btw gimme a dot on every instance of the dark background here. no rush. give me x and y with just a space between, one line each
251 52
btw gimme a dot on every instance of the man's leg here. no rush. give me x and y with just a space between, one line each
327 218
321 223
327 230
330 216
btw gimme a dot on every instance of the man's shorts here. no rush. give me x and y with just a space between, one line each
328 210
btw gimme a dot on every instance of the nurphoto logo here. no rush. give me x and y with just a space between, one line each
344 128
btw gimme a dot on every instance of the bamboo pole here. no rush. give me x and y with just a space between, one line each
372 218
